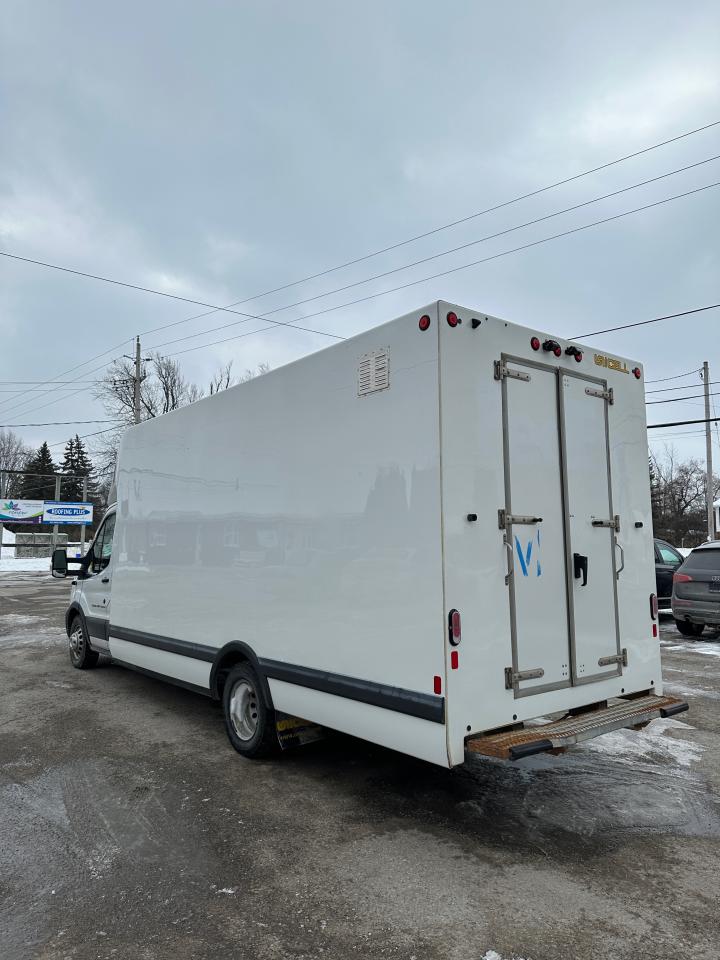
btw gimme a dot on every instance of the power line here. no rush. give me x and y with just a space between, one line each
443 253
677 376
57 423
642 323
437 229
693 396
446 226
687 386
681 423
70 370
85 436
475 263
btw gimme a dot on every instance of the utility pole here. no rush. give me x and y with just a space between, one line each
136 385
708 455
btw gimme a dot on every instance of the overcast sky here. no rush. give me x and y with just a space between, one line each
220 149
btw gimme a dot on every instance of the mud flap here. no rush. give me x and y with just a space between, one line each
294 732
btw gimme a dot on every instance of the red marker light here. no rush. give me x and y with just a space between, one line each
454 659
455 634
578 356
424 322
535 343
437 685
637 372
653 606
452 319
557 351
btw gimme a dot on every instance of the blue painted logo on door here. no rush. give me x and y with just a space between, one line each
526 556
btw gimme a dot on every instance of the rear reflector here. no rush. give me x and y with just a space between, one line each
437 685
653 606
454 658
681 578
654 630
454 633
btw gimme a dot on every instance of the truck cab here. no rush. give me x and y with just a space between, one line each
88 614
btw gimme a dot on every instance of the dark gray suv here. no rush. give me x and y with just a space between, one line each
696 591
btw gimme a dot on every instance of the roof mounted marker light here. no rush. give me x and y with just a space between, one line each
572 351
554 346
453 319
424 322
535 343
637 372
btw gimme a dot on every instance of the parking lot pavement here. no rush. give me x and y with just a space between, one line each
130 829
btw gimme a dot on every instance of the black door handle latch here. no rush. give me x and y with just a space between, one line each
580 565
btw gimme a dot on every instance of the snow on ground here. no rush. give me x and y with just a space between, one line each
705 647
628 746
11 565
494 955
24 630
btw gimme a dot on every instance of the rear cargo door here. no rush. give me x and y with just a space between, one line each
534 530
558 528
592 529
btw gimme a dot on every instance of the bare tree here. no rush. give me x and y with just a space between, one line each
678 497
163 388
14 455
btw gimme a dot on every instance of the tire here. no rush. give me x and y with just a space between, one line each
688 629
82 656
249 723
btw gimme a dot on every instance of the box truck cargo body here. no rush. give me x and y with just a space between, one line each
424 536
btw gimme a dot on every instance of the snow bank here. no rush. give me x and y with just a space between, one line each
7 537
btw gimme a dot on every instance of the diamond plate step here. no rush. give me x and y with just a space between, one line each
556 734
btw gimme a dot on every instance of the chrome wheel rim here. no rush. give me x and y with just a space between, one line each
244 710
77 642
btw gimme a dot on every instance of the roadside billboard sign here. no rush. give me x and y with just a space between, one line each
21 511
60 511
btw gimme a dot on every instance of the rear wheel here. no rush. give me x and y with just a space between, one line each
688 629
82 656
249 723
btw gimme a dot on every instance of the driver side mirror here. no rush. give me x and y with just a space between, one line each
59 563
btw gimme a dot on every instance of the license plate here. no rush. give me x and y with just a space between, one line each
714 586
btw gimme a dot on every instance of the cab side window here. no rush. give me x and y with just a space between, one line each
102 548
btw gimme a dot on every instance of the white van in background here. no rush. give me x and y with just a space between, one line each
426 536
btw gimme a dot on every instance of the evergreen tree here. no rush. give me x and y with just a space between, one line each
35 487
76 466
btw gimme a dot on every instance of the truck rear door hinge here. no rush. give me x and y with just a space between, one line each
515 676
621 658
502 371
504 518
601 394
613 524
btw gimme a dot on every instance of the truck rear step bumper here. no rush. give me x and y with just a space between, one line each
557 734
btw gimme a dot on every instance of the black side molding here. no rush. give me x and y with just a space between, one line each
529 749
197 651
425 706
675 708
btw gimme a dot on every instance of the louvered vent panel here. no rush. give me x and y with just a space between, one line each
374 372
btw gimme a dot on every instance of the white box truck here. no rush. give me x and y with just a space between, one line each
426 536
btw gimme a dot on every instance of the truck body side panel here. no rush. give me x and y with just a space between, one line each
302 518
